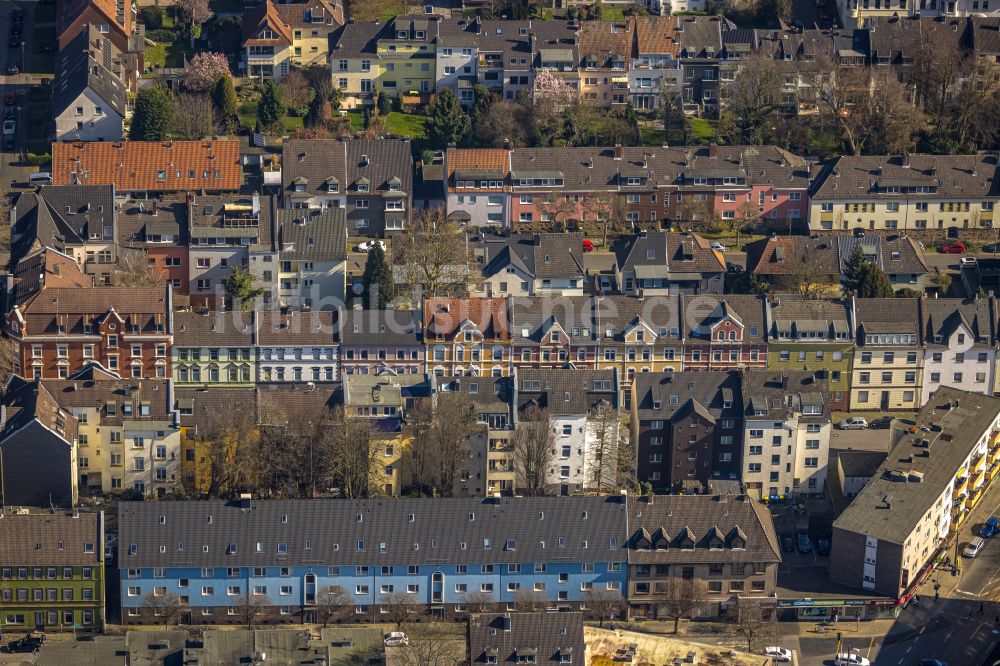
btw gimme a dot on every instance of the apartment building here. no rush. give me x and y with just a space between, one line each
887 539
467 337
42 268
550 333
920 192
488 464
38 446
888 365
478 186
700 41
214 348
225 231
312 259
786 433
813 336
654 63
536 637
128 330
723 333
532 265
297 346
112 19
376 340
657 263
728 542
127 432
371 179
52 571
582 409
605 47
687 428
206 422
89 98
456 59
960 347
79 221
277 36
160 230
141 167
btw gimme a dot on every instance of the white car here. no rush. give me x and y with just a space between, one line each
9 126
778 654
851 659
974 547
967 261
396 639
853 423
368 245
719 246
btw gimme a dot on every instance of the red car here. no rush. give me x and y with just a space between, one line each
955 247
588 246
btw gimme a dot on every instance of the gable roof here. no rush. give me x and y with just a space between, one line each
605 42
888 315
213 329
566 391
117 14
322 15
783 393
669 252
296 328
82 66
265 16
704 311
46 268
943 316
672 392
349 161
380 327
548 637
539 255
162 166
312 235
51 538
859 177
444 317
656 35
25 401
476 165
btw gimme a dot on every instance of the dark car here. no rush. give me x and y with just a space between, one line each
787 543
15 30
990 247
17 16
734 268
881 423
803 543
823 546
13 42
8 142
12 68
932 662
26 644
859 232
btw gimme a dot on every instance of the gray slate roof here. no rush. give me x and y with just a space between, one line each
334 530
781 394
566 391
539 255
678 392
942 316
960 426
948 177
317 160
380 327
213 329
504 636
33 539
675 252
82 65
312 235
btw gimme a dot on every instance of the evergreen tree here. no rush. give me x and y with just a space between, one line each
153 116
875 283
240 288
377 279
319 112
226 105
854 269
270 109
383 103
448 123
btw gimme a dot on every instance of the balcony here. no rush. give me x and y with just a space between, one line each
960 485
979 465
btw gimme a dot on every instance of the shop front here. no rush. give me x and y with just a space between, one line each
856 609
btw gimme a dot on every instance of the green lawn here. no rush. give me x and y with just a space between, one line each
167 55
652 136
612 14
405 124
702 130
45 13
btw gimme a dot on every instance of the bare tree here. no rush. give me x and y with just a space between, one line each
975 118
167 606
433 260
603 603
250 606
355 465
10 360
609 213
133 269
333 603
696 214
605 430
751 625
752 97
626 462
231 449
397 606
557 210
295 89
532 451
454 423
193 116
531 601
681 598
479 601
431 645
810 279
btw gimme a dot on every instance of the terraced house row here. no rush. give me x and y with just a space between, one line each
566 552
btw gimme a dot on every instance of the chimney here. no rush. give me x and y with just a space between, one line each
713 150
618 151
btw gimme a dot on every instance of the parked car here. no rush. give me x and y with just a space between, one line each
850 659
787 543
718 246
932 662
396 639
588 246
9 126
823 546
990 527
15 30
967 261
734 268
778 654
12 69
974 548
368 245
853 423
29 643
954 247
859 232
10 98
8 142
804 543
13 42
881 423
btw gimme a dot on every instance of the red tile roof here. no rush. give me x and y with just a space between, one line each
444 316
472 160
265 16
167 166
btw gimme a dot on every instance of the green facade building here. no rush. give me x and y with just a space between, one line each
814 336
51 571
